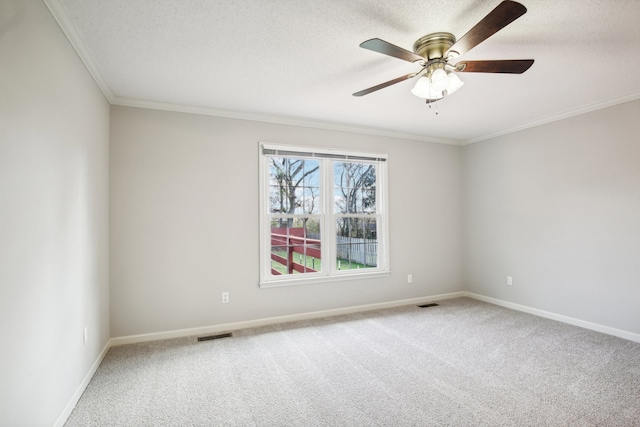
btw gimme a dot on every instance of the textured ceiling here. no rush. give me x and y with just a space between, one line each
299 61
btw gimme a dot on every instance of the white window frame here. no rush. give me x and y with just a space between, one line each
328 272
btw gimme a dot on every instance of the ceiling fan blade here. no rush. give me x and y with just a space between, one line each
504 14
383 85
386 48
511 66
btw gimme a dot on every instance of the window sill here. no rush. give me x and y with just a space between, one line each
322 279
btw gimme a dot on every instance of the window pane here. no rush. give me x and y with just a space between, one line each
295 246
354 188
294 185
356 243
310 198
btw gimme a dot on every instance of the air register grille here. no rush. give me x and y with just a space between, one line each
215 336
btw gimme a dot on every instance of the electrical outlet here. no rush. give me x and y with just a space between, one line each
85 335
225 297
410 278
509 281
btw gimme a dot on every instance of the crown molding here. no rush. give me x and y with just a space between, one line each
282 120
564 115
73 35
61 15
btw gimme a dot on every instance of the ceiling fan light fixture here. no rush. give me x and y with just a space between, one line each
435 51
454 83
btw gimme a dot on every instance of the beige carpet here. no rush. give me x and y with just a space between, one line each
462 363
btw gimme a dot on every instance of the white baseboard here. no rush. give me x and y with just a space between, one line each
631 336
132 339
64 415
225 327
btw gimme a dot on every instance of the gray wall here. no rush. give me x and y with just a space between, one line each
184 221
54 125
558 208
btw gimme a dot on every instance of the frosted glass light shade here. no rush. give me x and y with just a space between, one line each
424 89
439 80
421 88
454 83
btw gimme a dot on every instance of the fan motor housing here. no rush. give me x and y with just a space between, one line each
434 45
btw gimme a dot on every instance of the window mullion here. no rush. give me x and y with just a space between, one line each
328 241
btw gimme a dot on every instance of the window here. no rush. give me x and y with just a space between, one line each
323 215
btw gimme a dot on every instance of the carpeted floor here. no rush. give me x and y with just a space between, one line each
462 363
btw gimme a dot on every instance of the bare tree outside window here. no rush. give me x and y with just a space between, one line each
355 204
294 186
294 198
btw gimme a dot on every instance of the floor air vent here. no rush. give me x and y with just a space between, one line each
215 337
431 304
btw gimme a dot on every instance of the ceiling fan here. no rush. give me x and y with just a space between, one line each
434 51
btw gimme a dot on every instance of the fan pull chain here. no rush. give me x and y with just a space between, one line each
429 104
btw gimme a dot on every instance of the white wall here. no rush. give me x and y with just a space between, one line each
54 125
558 208
184 221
